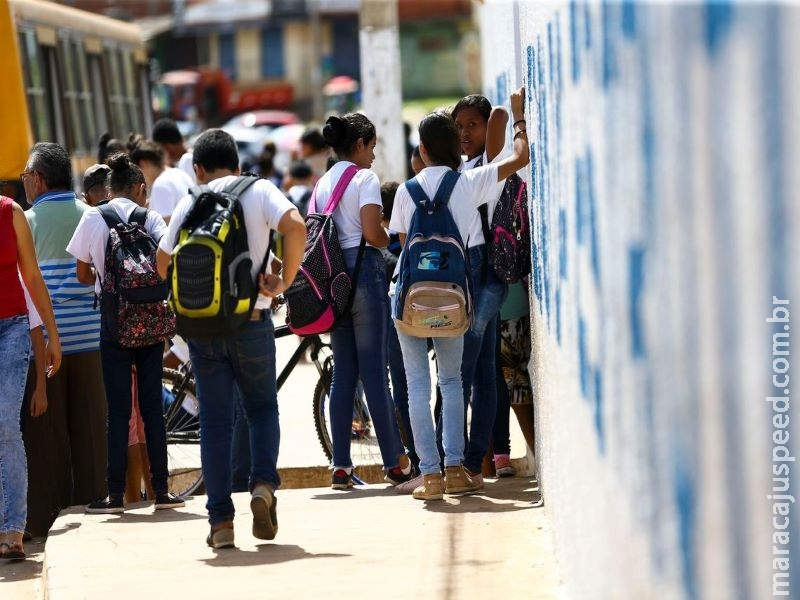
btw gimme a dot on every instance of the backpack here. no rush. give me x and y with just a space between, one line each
211 289
433 295
508 240
322 291
133 307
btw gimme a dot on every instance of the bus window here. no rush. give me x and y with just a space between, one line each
70 91
131 95
119 117
52 78
35 86
100 93
84 94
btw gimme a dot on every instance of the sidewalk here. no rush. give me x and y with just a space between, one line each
330 544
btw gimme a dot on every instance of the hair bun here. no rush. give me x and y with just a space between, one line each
334 131
104 139
119 162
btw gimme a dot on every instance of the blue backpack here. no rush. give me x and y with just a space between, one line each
433 295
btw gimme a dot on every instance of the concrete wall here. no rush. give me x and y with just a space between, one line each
664 207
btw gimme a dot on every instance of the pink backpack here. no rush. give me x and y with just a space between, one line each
322 291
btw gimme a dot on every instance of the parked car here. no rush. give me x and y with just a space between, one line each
263 119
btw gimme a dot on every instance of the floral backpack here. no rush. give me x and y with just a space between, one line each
133 300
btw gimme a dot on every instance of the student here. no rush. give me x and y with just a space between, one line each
397 370
75 395
359 340
246 360
167 185
88 246
167 135
481 132
107 147
440 151
95 191
298 184
18 257
266 164
315 151
416 161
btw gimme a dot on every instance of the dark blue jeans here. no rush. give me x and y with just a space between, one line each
501 435
240 446
116 362
247 361
478 366
359 345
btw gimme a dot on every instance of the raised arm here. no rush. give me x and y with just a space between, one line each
496 132
521 154
32 276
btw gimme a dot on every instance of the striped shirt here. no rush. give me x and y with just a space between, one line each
53 219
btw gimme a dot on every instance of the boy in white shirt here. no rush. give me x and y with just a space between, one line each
167 185
167 135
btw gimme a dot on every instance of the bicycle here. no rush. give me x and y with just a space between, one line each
181 411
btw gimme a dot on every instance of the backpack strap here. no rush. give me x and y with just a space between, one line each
417 194
338 192
240 185
445 190
138 216
109 215
483 211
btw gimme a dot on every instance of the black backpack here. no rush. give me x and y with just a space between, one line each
211 289
508 239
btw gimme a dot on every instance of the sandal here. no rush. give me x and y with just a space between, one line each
13 552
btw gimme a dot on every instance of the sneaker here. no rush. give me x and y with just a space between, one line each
341 479
431 488
502 466
409 486
168 500
458 481
264 504
221 535
109 505
398 475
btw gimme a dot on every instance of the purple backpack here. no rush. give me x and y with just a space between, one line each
322 291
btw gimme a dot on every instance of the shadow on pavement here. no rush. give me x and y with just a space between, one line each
266 554
355 492
24 569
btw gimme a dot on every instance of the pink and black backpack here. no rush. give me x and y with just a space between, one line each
322 291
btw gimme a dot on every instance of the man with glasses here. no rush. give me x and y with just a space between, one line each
72 432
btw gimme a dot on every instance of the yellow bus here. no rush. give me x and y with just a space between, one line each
67 76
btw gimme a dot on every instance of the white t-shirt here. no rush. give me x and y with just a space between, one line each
34 320
476 228
168 189
296 193
264 206
363 190
185 164
88 243
473 188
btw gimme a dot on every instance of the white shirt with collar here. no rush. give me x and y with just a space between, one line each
492 198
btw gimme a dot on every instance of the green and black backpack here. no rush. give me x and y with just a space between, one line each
211 289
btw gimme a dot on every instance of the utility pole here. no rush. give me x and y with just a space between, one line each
381 85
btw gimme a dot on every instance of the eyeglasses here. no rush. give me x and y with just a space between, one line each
26 173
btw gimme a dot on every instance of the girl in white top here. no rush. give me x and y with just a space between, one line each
359 341
440 151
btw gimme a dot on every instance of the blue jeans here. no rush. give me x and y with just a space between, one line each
116 362
397 371
480 348
246 360
240 446
359 344
501 435
448 357
15 348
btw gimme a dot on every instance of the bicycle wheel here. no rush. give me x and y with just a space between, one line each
181 418
364 449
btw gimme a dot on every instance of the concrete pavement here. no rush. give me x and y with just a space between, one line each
330 544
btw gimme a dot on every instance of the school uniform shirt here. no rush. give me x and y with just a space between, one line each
186 164
263 205
88 243
167 191
53 218
364 189
474 187
476 227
